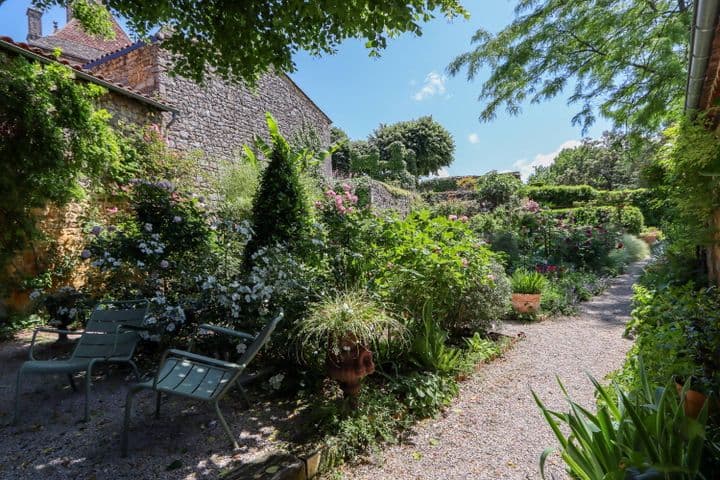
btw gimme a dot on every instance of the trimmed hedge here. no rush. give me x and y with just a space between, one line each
561 196
567 196
629 218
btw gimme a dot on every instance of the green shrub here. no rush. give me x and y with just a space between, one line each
423 258
527 282
561 196
440 184
280 211
562 295
659 322
632 250
499 188
642 198
459 208
237 184
630 219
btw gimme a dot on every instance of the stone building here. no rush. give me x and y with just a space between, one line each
216 118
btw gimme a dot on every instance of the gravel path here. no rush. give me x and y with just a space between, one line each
494 430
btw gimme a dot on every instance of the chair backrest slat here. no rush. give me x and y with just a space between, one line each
260 340
101 338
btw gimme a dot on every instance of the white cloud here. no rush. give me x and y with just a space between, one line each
526 167
434 85
474 138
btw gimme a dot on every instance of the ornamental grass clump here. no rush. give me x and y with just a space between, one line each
529 283
348 315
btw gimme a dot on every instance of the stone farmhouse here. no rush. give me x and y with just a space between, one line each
215 118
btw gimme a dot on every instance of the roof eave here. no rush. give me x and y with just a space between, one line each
90 78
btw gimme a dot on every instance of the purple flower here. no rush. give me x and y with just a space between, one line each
112 228
85 254
452 217
96 230
164 264
177 219
148 227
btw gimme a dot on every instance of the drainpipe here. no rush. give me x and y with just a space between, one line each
703 28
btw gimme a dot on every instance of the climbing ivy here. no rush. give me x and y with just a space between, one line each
54 143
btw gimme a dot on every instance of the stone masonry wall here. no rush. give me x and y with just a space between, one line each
218 118
127 111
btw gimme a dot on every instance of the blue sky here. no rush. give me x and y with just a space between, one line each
409 80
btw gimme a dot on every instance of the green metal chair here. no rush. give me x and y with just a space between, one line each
197 377
110 336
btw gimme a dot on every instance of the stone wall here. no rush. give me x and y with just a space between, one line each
126 110
218 118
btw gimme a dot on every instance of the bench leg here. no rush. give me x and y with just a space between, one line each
225 425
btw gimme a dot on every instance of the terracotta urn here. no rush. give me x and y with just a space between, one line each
694 400
526 302
649 238
348 363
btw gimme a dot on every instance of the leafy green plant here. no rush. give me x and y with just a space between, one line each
527 282
425 393
429 349
638 435
60 144
499 188
421 258
237 184
346 316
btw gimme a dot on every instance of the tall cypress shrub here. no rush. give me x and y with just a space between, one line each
280 212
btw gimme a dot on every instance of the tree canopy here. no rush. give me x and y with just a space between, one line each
625 61
611 162
241 40
431 143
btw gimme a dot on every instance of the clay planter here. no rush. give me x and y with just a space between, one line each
649 238
694 400
526 302
349 366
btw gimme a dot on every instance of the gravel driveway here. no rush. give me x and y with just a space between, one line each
494 430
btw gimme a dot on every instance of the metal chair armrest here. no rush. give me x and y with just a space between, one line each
227 331
50 330
203 359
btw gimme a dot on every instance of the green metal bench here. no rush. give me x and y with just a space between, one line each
110 336
197 377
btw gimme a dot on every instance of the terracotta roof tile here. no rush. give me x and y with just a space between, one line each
73 32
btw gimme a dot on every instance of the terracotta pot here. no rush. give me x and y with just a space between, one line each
649 238
526 302
349 366
694 401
